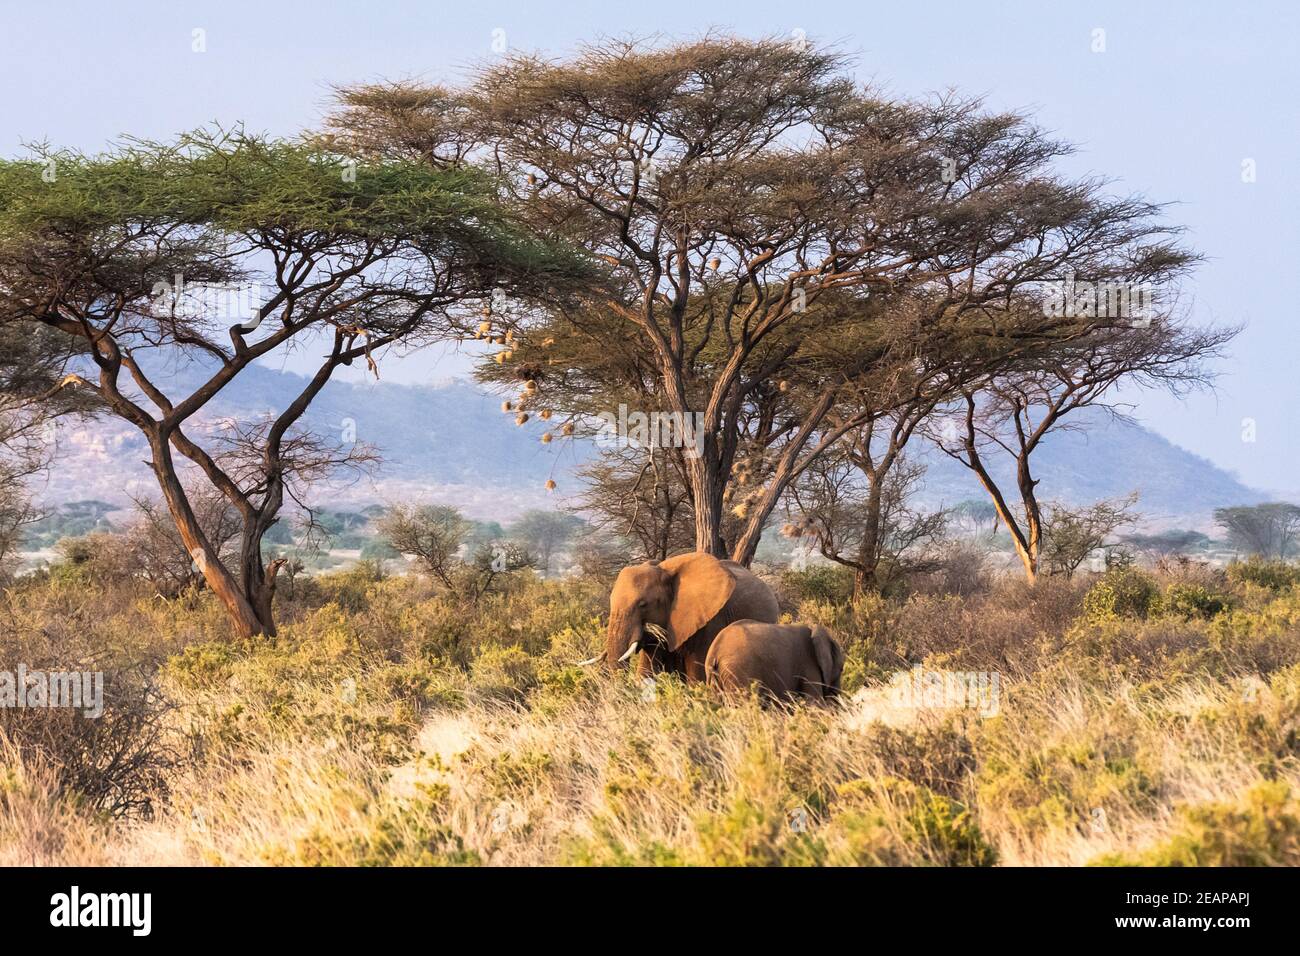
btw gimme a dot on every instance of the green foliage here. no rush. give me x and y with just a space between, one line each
945 829
1267 529
1274 575
234 182
505 673
72 519
1263 829
352 587
832 583
1174 541
1187 600
1121 592
378 551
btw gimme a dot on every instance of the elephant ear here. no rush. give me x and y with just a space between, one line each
830 658
703 587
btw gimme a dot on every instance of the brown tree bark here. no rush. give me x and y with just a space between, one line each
222 583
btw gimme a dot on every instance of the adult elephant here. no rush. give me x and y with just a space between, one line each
670 611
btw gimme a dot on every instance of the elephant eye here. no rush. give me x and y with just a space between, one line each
641 603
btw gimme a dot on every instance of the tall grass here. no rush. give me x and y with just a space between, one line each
390 724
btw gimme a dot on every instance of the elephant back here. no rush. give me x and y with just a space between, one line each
752 600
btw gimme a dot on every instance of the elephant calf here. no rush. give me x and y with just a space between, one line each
784 660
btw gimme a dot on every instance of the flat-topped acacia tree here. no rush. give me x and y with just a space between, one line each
739 192
122 252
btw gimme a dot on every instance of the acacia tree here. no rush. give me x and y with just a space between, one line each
744 193
121 253
1011 415
1070 535
1268 529
749 200
871 527
543 533
432 534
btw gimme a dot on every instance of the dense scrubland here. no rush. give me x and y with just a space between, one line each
1143 717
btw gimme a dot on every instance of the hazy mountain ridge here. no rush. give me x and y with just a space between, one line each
451 443
1104 456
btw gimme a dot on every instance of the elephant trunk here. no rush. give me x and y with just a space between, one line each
622 639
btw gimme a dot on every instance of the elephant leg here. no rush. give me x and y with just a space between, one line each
649 663
694 653
694 668
811 690
658 661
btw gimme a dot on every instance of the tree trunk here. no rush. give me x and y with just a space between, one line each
1029 559
1029 550
706 484
747 544
224 586
864 576
259 587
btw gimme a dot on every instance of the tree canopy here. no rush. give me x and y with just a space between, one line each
139 255
763 218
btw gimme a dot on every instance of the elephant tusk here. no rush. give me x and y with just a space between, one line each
657 631
630 651
595 660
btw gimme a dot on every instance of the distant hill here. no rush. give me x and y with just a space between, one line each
1102 456
451 443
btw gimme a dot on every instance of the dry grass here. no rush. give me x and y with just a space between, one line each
386 727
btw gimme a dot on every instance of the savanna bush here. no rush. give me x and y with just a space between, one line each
116 763
1260 829
1192 600
887 821
391 722
1273 575
829 583
1122 592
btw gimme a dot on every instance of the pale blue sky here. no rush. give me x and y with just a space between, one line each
1183 93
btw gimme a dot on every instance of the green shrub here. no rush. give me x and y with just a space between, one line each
503 673
1263 829
1192 600
762 822
831 583
938 830
1121 592
349 588
1274 575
